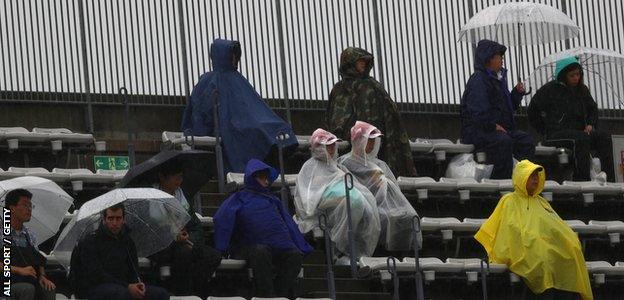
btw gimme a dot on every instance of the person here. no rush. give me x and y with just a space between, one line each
396 213
28 278
563 109
108 262
192 262
526 234
247 125
358 96
487 112
321 189
252 224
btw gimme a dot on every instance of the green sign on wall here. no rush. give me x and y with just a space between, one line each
111 162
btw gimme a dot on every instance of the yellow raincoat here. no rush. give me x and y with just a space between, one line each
527 235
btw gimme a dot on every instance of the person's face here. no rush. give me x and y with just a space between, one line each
331 149
114 220
495 63
532 183
370 145
22 211
573 78
263 178
171 182
235 61
360 65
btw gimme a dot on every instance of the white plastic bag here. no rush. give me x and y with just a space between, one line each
596 173
464 166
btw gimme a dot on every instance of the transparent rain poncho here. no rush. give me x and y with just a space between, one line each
395 212
321 188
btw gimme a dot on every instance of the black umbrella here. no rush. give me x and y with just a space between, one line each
195 163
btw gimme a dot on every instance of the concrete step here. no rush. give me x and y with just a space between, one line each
342 285
352 296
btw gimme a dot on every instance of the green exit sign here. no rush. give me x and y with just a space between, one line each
111 162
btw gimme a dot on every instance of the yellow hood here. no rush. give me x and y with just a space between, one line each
527 235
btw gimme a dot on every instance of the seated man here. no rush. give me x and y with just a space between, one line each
396 214
248 126
321 189
28 279
192 262
107 263
487 112
527 235
564 109
252 224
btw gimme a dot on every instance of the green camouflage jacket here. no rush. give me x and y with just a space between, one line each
359 97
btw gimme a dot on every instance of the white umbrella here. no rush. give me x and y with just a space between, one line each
153 217
519 23
603 71
50 203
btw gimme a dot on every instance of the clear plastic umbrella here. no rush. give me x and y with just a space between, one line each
603 72
153 217
50 203
518 24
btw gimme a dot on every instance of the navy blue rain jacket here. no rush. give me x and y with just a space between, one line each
254 216
248 126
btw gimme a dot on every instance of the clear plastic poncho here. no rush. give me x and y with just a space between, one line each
321 188
395 212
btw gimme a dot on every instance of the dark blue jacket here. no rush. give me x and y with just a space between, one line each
487 100
247 125
254 216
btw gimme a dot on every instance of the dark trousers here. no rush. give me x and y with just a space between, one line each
275 274
108 291
583 144
501 148
191 268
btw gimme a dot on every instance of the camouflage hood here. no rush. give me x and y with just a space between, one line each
347 62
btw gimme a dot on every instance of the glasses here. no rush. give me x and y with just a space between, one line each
31 206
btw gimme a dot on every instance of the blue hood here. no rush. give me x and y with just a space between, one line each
247 124
253 166
222 52
485 50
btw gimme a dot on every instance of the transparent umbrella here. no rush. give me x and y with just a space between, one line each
518 24
603 72
50 203
153 217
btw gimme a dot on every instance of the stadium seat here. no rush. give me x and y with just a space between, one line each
4 175
580 227
426 183
277 298
177 138
541 150
117 174
556 188
61 296
381 264
504 185
184 298
225 298
467 185
612 226
596 188
232 264
206 221
23 135
65 135
420 145
603 267
238 179
313 299
432 265
85 175
304 143
41 172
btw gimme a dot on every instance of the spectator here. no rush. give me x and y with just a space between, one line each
252 224
28 278
192 262
563 109
358 96
321 189
527 235
248 126
107 262
487 112
396 213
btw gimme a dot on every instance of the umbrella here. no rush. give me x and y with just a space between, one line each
49 200
153 217
196 165
519 23
599 66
